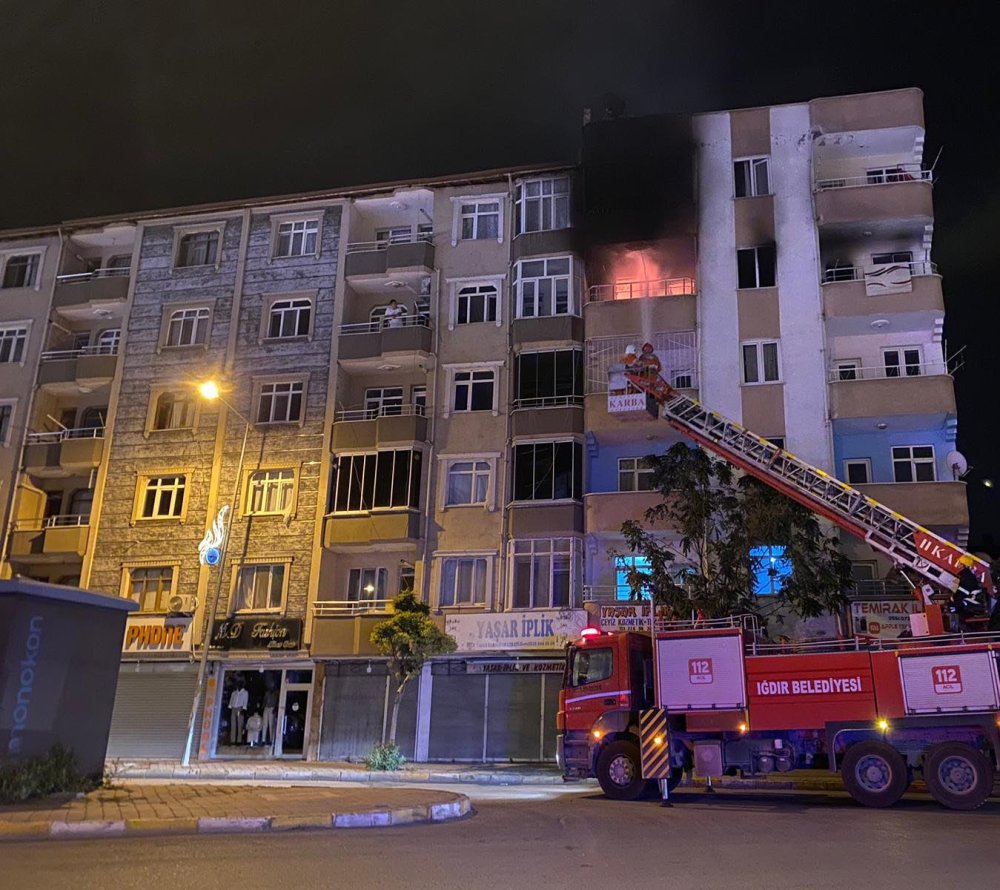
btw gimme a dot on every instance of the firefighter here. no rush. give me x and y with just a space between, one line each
969 601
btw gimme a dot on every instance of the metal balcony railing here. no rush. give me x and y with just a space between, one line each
902 173
52 438
408 238
858 273
355 414
634 290
379 324
77 277
63 520
842 372
548 402
340 608
57 355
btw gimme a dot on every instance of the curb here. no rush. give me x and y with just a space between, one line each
382 817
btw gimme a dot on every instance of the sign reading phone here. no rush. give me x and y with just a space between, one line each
947 679
700 671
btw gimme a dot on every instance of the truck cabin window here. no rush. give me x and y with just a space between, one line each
590 666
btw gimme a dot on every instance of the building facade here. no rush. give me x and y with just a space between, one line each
415 396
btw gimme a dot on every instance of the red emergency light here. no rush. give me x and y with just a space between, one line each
590 632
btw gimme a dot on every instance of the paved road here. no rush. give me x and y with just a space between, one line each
549 838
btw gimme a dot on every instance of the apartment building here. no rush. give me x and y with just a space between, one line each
415 395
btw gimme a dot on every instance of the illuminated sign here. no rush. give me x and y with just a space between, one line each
150 635
210 547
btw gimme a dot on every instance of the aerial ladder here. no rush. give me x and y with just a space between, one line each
907 544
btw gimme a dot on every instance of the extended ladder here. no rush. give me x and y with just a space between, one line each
905 542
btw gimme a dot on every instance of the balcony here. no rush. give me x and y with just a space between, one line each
371 262
851 291
881 392
341 608
605 511
557 328
90 289
370 427
345 530
64 452
341 628
50 539
899 198
542 518
78 370
927 503
371 346
555 416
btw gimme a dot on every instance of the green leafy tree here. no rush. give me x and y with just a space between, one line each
408 638
719 516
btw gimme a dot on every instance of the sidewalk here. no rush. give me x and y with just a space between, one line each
136 809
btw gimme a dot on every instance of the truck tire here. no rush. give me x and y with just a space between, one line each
619 771
958 776
875 774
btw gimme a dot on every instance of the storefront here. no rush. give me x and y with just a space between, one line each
156 684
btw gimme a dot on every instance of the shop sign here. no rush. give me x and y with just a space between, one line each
515 667
273 634
626 616
516 630
883 619
150 635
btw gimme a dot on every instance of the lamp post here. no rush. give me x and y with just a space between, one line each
209 390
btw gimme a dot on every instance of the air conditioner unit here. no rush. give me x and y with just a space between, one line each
182 605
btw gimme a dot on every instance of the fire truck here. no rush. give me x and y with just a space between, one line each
641 707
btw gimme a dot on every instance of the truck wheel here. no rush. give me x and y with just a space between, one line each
619 772
875 774
958 776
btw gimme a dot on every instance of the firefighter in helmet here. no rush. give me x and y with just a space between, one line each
969 600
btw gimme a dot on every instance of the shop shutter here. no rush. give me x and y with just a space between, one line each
457 706
151 714
514 717
550 703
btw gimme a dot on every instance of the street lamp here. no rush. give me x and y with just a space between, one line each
209 390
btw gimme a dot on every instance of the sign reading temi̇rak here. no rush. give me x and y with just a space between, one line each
157 635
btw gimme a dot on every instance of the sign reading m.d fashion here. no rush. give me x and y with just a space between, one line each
516 630
157 635
274 634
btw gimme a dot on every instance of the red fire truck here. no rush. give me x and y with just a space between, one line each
709 695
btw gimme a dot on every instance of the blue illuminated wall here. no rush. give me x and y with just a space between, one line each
877 446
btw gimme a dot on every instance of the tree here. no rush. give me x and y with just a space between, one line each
720 516
408 638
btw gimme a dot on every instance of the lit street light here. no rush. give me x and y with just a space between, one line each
209 390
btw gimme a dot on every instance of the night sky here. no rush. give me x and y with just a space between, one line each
124 106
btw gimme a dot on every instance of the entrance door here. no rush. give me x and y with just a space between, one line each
292 734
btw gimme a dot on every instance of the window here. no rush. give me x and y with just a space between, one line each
477 303
474 390
682 379
108 341
882 175
198 248
901 361
480 220
755 266
383 401
151 587
542 205
634 474
849 370
751 177
384 479
419 396
913 463
777 440
119 264
463 581
174 411
188 327
270 492
260 588
770 567
407 579
297 238
367 584
858 471
550 378
590 666
468 482
624 565
93 418
21 270
760 362
290 318
280 402
81 503
394 235
544 572
163 497
544 287
546 471
12 343
892 258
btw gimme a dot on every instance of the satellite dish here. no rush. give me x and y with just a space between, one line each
957 463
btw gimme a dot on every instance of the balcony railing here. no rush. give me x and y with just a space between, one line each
879 177
548 402
858 273
608 595
356 414
339 608
379 324
846 372
77 277
60 355
635 290
63 520
411 238
53 438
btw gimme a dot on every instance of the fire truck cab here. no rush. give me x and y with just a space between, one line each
877 713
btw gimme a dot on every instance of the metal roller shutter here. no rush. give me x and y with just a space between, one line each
457 711
514 717
151 713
